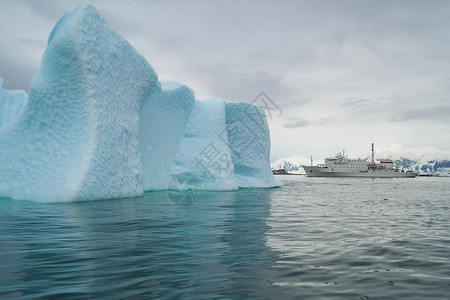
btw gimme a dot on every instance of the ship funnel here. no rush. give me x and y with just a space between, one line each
373 156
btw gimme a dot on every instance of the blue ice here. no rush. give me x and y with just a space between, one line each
98 124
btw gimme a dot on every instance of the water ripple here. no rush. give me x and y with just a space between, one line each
314 238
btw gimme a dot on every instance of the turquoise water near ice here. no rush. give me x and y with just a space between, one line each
313 238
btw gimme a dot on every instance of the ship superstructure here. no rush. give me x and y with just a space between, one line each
342 166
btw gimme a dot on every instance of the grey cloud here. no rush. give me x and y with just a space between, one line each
16 75
326 120
440 114
363 102
48 9
34 43
236 85
297 123
294 102
356 102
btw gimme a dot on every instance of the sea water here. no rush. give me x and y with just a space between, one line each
332 238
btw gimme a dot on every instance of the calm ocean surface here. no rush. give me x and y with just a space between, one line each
330 238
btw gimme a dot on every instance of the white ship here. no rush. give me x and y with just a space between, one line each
342 166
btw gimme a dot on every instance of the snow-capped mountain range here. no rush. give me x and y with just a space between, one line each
291 165
425 160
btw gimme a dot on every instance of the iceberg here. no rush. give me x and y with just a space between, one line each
98 124
77 138
12 104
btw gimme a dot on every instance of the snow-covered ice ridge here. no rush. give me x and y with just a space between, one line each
98 124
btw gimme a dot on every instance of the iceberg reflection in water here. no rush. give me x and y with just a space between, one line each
145 247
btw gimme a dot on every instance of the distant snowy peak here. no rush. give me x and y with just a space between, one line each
397 151
283 164
291 164
423 159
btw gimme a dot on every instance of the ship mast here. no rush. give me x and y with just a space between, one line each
373 157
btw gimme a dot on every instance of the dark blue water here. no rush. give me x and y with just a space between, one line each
332 238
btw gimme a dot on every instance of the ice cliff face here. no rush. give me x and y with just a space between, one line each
98 124
249 141
162 121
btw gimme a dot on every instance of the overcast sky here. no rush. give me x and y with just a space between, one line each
343 74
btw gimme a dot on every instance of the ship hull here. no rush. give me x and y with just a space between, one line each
326 172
